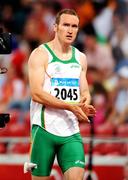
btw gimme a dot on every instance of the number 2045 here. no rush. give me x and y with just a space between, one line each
64 94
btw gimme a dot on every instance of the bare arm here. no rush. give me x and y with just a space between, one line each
84 89
36 69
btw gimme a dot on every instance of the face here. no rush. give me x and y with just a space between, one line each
67 28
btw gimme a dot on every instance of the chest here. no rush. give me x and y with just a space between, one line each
63 70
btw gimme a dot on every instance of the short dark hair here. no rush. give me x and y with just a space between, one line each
65 11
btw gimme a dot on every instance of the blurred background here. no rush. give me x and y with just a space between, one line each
103 37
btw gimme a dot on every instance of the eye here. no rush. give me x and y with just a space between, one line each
74 26
66 24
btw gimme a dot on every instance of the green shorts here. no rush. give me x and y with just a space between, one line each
68 150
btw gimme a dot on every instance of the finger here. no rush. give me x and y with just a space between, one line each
81 104
84 120
92 109
84 117
91 115
89 106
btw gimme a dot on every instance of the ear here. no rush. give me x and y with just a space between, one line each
55 27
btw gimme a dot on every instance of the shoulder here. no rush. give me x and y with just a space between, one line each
82 57
39 51
81 54
38 55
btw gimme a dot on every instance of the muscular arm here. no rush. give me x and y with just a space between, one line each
84 89
36 69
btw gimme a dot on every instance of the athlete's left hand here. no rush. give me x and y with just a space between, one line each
89 110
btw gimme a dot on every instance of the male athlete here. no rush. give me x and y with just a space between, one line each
60 99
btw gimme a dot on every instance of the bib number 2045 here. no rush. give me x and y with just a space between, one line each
64 94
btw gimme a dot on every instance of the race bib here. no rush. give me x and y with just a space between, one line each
66 89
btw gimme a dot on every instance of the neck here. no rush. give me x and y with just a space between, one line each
60 46
62 50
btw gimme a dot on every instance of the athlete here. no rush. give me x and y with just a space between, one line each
60 99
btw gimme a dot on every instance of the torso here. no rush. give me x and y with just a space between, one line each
62 81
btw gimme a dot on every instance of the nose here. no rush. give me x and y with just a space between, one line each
70 30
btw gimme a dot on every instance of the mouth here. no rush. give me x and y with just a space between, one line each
69 37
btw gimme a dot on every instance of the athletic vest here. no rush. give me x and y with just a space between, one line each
62 80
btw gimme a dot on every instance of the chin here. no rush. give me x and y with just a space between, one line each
69 41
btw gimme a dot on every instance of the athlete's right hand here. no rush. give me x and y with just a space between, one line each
77 111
